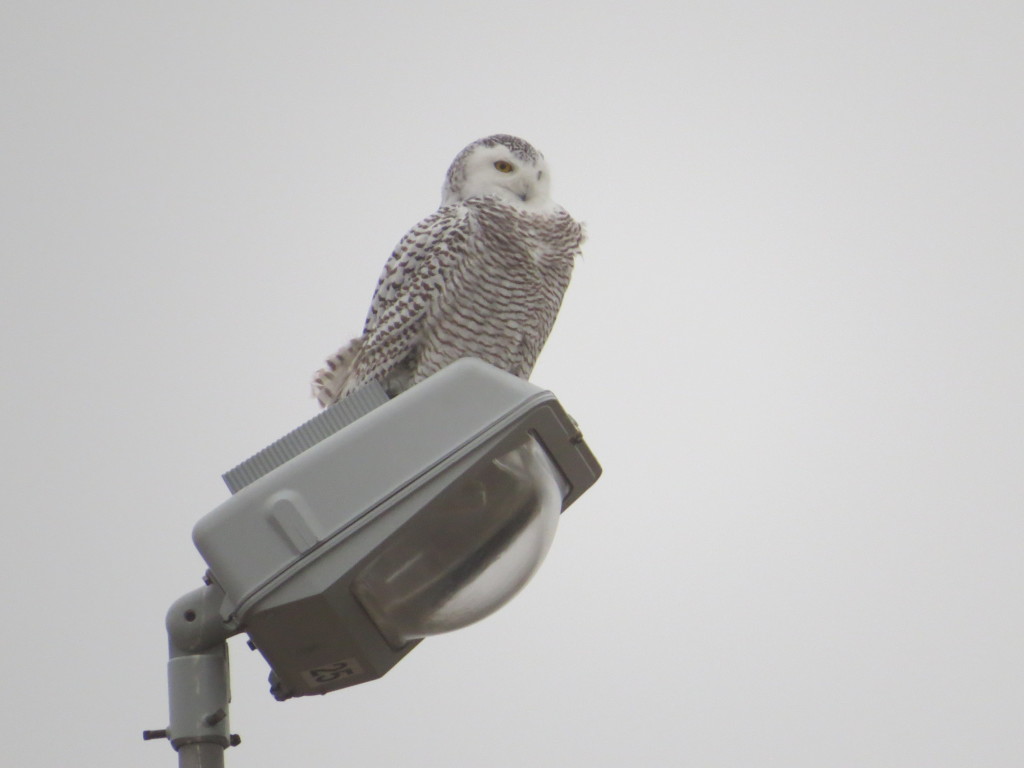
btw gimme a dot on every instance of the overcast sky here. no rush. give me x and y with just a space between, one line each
794 342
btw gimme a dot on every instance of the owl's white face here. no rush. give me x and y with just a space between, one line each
499 172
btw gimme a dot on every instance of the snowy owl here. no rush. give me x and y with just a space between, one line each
481 277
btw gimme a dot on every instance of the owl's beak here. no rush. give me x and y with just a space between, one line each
522 189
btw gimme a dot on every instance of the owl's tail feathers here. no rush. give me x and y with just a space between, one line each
329 383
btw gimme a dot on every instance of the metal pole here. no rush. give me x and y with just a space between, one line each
201 756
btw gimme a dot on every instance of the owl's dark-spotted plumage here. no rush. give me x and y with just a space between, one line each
481 277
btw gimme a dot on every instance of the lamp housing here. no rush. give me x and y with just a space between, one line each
427 512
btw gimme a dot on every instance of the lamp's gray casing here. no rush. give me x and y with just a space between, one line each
284 547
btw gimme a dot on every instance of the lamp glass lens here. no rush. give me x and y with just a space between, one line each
469 551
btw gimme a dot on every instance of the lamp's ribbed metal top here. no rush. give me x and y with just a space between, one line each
320 427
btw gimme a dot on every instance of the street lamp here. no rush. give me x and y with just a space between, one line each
376 524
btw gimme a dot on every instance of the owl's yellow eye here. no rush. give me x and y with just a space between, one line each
504 166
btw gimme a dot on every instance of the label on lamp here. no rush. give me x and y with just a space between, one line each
327 674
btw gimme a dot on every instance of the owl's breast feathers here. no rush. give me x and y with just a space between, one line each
501 295
510 229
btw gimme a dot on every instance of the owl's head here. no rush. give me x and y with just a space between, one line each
503 166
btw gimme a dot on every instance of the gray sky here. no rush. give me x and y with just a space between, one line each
794 342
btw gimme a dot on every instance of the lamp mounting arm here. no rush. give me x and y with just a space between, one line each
197 679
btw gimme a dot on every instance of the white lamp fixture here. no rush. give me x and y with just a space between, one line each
374 525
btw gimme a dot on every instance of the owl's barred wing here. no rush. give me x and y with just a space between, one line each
423 254
413 277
